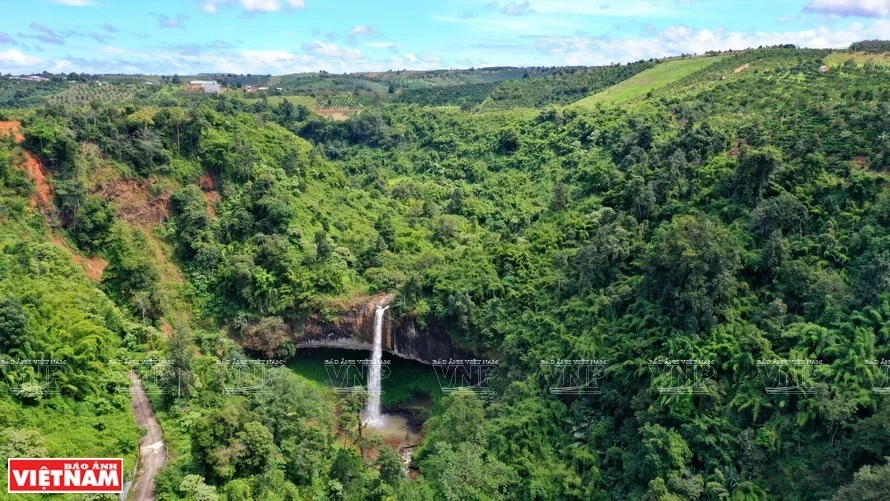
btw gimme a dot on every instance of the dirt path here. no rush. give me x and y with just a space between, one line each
153 449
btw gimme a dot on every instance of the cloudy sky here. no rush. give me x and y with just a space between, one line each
288 36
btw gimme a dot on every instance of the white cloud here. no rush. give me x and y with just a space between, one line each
77 3
271 5
364 30
165 21
213 6
204 59
491 49
547 17
844 8
16 58
411 62
626 8
331 50
261 61
517 9
163 61
61 66
679 39
521 24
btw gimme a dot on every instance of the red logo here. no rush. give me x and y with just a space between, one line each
90 475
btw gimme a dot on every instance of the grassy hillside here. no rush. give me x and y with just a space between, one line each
838 58
663 74
561 87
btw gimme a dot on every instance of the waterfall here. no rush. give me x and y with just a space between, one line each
373 417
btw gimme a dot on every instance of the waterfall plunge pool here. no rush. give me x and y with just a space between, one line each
410 389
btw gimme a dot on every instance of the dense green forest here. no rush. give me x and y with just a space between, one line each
466 96
874 46
731 216
59 339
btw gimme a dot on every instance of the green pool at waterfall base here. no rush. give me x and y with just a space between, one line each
409 383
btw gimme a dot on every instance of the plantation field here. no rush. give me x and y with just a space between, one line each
840 57
87 92
654 78
129 79
336 102
380 82
306 101
422 80
768 64
323 84
467 95
561 87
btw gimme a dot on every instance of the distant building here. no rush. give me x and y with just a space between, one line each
31 78
262 88
209 86
824 69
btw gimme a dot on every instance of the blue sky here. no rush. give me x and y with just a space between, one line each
289 36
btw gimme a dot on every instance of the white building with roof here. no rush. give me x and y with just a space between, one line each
210 86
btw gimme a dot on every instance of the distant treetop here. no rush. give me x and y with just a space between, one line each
872 46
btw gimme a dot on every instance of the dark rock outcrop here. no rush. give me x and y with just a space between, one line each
353 328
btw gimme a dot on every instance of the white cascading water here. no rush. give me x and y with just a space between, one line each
373 416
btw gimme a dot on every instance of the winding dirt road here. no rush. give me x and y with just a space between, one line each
152 448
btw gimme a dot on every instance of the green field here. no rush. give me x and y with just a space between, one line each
654 78
84 93
306 101
838 58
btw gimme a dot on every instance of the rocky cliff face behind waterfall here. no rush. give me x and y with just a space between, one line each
353 328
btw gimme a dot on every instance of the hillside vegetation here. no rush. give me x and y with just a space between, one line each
651 79
733 210
59 338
